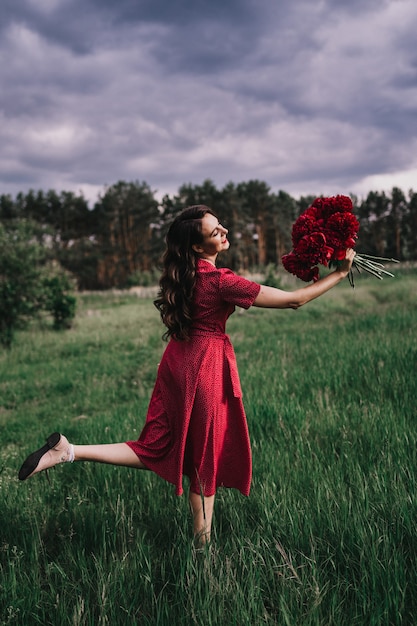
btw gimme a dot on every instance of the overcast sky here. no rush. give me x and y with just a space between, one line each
310 96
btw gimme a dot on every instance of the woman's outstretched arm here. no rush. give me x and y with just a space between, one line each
272 298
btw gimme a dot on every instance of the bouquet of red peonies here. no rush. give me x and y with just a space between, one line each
321 236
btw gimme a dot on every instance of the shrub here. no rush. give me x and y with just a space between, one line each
61 304
271 279
27 284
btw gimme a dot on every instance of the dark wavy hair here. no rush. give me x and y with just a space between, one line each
177 282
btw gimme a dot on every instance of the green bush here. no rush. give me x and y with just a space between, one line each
28 284
271 279
145 278
61 304
21 259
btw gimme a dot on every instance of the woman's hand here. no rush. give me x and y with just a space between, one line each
346 264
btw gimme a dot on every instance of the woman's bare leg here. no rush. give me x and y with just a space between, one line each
58 449
111 453
202 510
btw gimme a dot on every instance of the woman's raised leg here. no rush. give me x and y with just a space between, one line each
111 453
58 449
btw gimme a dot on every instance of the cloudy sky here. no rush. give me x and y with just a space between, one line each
310 96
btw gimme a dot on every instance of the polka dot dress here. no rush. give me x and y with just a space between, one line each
196 423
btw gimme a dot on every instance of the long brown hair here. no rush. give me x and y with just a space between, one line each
176 285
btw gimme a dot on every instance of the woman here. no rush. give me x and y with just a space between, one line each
196 423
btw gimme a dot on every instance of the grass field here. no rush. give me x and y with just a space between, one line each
328 535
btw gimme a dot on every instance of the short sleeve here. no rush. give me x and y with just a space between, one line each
237 290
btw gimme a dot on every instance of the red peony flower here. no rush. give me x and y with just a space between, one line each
310 274
312 249
305 225
333 204
294 265
342 230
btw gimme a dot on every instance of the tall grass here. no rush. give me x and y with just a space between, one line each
328 534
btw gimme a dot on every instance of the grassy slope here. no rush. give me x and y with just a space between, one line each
328 533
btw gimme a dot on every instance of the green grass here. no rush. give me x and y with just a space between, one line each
328 535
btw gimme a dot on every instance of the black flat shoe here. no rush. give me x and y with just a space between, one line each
32 462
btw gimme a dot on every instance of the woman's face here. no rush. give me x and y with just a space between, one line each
214 237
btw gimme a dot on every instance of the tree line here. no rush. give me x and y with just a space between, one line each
119 241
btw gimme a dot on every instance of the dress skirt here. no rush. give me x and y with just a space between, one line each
196 424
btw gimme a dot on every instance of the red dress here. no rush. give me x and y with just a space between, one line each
196 423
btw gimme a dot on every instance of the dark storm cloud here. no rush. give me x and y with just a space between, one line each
299 94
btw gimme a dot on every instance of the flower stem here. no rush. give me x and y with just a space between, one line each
369 264
378 258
